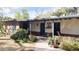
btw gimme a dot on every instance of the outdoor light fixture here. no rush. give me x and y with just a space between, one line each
37 24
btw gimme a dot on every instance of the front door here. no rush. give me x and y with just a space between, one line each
42 28
56 28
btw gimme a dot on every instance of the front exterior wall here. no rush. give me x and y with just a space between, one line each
35 26
70 26
8 26
48 30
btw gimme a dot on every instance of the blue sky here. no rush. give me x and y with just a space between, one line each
33 11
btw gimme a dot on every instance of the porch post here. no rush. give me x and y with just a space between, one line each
52 29
30 30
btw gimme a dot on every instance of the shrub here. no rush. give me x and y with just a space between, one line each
50 40
56 43
53 41
69 45
20 36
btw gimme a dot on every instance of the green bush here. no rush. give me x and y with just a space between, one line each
50 40
56 43
69 45
20 36
53 41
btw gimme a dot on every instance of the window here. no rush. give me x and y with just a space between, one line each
48 25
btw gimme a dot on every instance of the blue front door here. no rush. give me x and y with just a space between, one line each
42 28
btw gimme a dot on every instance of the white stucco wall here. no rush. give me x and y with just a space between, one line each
70 26
35 26
48 30
17 26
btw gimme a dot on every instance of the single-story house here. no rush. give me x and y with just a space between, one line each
12 26
65 25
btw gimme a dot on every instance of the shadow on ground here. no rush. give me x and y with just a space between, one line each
8 49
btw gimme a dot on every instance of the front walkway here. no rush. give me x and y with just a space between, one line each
41 45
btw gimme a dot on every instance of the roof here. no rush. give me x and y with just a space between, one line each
52 18
62 17
10 20
56 18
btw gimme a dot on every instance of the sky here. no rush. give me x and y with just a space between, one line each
33 11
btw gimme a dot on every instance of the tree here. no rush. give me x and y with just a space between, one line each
2 18
1 13
65 11
25 14
1 22
22 14
17 15
41 14
73 10
57 13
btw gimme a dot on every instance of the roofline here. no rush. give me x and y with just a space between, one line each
44 19
55 18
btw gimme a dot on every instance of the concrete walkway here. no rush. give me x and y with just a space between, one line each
42 45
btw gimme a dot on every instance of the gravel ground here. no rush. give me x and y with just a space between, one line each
41 45
8 45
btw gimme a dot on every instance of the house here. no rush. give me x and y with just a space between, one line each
66 25
12 26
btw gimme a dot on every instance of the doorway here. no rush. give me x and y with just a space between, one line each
24 24
42 28
56 28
